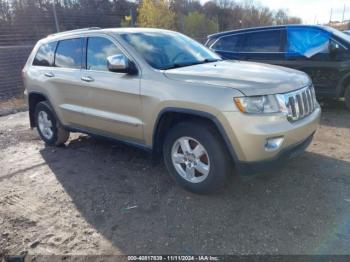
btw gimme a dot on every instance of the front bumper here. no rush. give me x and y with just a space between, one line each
249 168
248 134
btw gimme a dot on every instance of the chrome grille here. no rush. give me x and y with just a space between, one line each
300 103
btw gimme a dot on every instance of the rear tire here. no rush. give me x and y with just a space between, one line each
196 157
48 126
347 97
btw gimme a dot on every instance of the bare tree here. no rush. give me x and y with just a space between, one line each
32 19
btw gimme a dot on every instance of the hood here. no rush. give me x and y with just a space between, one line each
247 77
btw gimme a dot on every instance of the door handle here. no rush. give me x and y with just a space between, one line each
49 74
87 78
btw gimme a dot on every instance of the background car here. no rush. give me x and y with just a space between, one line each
322 52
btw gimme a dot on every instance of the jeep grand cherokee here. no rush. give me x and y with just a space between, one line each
165 92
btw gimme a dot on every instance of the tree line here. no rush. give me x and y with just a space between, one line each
32 19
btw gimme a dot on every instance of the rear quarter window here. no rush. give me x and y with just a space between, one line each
45 55
69 53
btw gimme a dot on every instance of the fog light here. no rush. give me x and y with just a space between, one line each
274 143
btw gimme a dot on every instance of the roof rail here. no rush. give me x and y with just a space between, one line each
75 30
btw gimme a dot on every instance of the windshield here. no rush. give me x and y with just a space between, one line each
166 50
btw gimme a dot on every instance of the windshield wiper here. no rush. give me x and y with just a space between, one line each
174 66
208 61
190 64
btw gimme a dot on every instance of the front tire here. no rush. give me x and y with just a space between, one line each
48 126
196 158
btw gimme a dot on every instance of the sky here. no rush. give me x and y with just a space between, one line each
311 11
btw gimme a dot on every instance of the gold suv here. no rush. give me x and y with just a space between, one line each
162 91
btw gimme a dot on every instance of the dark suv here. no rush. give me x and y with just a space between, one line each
322 52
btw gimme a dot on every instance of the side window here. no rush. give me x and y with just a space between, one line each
69 53
334 45
45 55
228 43
98 49
307 41
265 41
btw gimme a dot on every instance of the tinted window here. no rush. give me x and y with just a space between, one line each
307 41
69 53
45 55
98 50
228 43
266 41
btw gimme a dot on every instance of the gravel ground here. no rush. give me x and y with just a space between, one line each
97 197
12 106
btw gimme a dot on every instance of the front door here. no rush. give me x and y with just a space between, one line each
308 50
113 105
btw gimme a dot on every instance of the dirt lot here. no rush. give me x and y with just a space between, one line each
12 106
96 197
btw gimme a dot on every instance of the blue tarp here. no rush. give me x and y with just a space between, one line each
306 41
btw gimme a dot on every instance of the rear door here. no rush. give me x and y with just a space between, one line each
66 92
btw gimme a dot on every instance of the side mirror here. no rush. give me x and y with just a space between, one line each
121 64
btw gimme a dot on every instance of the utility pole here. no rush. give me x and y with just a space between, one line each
218 25
182 21
132 24
342 21
330 18
55 16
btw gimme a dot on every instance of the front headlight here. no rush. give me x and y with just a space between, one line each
258 104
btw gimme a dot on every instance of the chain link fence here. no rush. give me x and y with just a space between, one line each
17 41
12 59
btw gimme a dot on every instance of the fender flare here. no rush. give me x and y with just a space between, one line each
32 110
341 85
196 113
